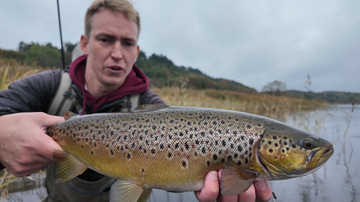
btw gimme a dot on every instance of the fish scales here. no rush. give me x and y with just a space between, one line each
192 142
173 148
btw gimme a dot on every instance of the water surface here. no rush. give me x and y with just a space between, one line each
337 180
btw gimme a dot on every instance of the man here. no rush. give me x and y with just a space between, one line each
102 78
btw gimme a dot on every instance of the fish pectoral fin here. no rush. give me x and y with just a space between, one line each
67 166
69 114
236 179
149 108
126 191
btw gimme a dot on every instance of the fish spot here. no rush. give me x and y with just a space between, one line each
187 146
203 150
184 164
235 155
246 161
235 133
153 151
112 152
87 127
271 150
269 142
223 143
202 134
189 123
133 145
239 163
211 132
161 146
92 152
285 143
251 141
222 121
248 126
208 163
128 156
276 145
169 155
287 148
112 133
285 137
215 157
103 137
95 144
274 137
243 137
240 148
283 150
214 123
259 124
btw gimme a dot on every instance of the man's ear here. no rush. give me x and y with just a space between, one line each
84 44
137 52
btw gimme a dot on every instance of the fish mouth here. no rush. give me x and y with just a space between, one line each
319 157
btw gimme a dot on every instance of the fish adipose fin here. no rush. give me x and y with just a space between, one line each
125 191
69 114
149 108
67 166
236 179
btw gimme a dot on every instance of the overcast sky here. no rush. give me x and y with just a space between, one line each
253 42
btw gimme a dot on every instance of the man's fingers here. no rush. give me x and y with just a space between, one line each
263 191
49 120
210 190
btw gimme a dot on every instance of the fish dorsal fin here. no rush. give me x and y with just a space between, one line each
149 108
69 114
67 166
126 191
236 179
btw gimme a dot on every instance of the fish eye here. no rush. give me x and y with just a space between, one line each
307 144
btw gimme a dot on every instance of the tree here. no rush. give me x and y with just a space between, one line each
276 88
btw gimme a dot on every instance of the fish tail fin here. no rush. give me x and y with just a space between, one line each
126 191
67 166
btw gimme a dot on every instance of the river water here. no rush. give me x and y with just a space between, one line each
337 180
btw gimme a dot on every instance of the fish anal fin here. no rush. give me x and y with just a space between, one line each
67 166
145 195
126 191
69 114
236 179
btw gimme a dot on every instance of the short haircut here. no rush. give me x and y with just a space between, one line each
119 6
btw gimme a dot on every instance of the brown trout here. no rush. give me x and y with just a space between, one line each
173 148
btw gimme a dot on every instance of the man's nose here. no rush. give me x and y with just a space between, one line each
117 51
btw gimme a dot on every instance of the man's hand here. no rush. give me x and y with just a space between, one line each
25 147
210 192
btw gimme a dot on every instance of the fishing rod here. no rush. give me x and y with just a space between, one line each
61 41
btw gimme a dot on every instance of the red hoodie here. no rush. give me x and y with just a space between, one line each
135 82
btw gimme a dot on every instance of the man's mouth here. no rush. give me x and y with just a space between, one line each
115 68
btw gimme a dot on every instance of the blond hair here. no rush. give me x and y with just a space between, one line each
120 6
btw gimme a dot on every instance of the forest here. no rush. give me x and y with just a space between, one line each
162 72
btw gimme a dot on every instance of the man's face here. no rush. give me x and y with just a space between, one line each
111 48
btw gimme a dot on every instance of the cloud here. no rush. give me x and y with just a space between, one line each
251 42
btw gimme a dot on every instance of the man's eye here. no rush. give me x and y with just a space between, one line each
104 40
